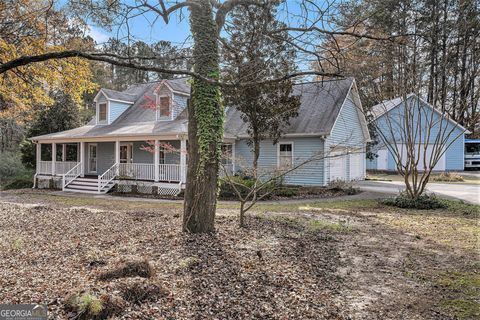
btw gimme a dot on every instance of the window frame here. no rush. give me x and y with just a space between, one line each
278 153
99 104
159 116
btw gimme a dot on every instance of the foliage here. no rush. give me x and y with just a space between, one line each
62 115
32 27
253 56
343 186
13 175
448 177
422 202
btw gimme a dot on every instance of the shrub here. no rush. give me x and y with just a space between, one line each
21 182
423 202
13 175
245 185
448 177
343 186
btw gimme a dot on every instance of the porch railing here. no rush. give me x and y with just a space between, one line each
146 171
71 175
107 177
61 167
169 172
44 167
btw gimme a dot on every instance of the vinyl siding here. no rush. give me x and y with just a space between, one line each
116 109
143 156
454 156
179 104
346 133
303 149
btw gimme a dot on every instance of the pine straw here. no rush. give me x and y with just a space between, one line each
44 256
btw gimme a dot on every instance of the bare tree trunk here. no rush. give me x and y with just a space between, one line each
242 214
205 126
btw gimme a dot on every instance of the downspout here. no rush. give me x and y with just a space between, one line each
36 165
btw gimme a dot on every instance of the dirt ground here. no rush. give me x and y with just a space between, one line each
340 259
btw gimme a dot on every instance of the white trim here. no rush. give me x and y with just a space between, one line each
107 113
358 102
278 151
121 101
96 157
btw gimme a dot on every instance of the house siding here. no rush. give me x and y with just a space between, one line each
116 109
347 132
303 149
179 104
454 155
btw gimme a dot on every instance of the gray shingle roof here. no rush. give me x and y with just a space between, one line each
117 95
320 105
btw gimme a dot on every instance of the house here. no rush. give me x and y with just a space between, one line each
427 127
115 148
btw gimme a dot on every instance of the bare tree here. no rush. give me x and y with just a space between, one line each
417 136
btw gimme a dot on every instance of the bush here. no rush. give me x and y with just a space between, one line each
423 202
448 177
12 172
244 185
343 186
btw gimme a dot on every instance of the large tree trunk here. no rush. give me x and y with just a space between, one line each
205 127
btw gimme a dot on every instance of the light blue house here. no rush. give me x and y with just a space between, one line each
138 141
435 136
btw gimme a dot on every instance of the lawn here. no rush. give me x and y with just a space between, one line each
318 260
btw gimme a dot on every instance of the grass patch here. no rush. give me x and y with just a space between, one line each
316 225
464 287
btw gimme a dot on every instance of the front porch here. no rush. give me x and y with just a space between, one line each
100 165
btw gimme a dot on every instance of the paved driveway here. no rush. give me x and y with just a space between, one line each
466 192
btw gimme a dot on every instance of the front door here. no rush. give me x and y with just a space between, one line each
92 158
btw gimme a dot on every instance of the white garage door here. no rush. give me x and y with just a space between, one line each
338 165
382 159
440 166
357 164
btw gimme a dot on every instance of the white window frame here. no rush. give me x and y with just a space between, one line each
107 103
170 108
278 151
229 160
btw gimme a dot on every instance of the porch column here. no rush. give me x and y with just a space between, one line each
54 157
82 159
183 160
117 156
39 156
156 160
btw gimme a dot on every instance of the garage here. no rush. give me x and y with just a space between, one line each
357 165
420 154
338 166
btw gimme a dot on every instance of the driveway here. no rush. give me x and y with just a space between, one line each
466 192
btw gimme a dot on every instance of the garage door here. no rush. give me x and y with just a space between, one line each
440 166
357 162
338 163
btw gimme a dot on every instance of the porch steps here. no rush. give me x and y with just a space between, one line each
87 185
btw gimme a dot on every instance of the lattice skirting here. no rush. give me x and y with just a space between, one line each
148 188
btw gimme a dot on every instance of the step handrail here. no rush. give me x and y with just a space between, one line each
107 177
71 175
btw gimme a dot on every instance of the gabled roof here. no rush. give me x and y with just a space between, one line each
385 106
117 95
320 104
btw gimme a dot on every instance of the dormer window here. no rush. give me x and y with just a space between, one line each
164 107
102 112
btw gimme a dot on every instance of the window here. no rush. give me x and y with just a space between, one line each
285 155
164 106
161 158
227 154
102 112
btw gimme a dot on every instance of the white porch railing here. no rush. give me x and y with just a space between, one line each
146 171
138 171
44 167
71 175
63 167
107 177
169 172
